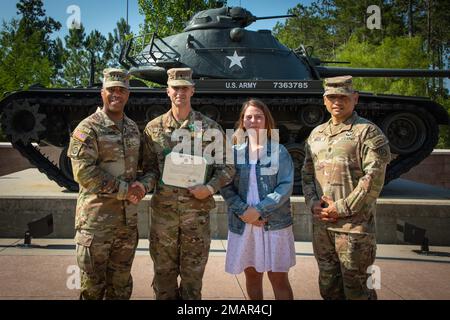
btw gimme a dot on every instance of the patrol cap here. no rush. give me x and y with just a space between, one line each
113 77
338 85
178 77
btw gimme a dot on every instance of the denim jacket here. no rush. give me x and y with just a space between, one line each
275 179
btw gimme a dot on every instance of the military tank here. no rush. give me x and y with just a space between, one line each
230 64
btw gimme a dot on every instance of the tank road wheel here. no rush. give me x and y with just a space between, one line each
406 132
211 112
311 116
23 122
283 133
65 165
297 152
154 112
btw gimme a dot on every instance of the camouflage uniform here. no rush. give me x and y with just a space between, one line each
104 162
180 229
349 166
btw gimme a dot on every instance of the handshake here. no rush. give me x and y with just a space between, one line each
136 191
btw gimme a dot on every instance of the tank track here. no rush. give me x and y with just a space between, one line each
74 106
43 163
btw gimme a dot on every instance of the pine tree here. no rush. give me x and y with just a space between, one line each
34 21
22 62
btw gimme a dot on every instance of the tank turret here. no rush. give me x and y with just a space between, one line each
216 45
221 18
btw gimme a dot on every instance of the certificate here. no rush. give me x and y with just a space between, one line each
184 170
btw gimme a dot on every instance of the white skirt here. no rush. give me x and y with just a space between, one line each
264 250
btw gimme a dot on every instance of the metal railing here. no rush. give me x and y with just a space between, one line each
147 49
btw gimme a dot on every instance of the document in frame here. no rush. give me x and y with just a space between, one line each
184 170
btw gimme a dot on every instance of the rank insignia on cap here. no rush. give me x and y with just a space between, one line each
338 86
114 77
177 77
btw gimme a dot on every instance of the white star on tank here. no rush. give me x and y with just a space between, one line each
235 60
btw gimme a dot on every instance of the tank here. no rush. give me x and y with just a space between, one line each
230 64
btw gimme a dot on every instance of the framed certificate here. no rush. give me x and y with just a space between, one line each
184 170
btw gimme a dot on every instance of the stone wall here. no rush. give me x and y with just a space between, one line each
11 160
433 215
434 170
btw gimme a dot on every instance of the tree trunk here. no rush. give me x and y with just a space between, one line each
441 66
428 26
410 19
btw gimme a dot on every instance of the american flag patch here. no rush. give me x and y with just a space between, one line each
80 135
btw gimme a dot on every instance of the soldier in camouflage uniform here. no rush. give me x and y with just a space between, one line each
104 150
180 229
343 174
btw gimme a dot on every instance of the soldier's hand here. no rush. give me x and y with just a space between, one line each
324 216
136 191
250 215
329 211
317 210
316 207
200 192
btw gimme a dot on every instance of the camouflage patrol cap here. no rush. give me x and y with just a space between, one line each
113 77
338 85
178 77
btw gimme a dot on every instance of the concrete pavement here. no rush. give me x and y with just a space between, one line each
50 272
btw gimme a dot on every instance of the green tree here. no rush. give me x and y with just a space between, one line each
308 28
27 54
81 51
22 62
34 22
118 39
444 131
100 50
438 36
393 52
168 17
403 52
76 65
327 24
413 34
33 17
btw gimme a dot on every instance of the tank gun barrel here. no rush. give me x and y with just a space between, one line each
251 18
276 17
361 72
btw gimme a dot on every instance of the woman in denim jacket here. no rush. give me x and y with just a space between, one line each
260 237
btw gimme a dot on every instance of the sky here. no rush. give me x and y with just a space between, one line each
95 14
